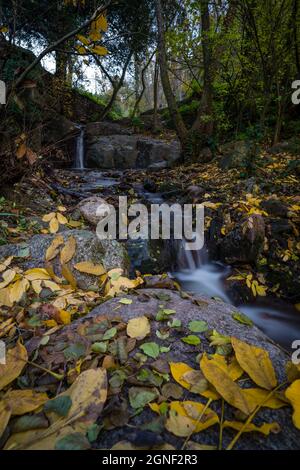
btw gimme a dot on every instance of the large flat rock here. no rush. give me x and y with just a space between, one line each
218 316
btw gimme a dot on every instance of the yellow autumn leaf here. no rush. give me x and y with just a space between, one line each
52 250
5 299
179 370
8 277
68 250
52 286
138 328
18 289
88 395
101 23
260 396
61 218
265 428
37 286
3 29
256 362
53 225
4 264
24 401
5 414
83 39
95 35
16 359
184 417
225 386
99 50
81 50
49 217
36 274
67 273
90 268
232 367
65 317
293 395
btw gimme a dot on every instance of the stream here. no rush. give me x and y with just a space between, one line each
195 271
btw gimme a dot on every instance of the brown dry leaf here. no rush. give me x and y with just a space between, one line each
21 151
90 268
31 156
138 328
265 428
88 395
16 360
24 401
225 386
68 250
293 395
256 362
5 414
52 250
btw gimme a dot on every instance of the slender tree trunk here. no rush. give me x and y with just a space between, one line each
295 32
162 55
141 94
155 95
61 65
116 88
204 121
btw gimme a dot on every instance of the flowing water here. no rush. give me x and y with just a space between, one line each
197 273
277 319
79 153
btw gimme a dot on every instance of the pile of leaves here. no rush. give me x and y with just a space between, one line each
65 391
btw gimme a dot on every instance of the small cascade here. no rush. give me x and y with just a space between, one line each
79 153
198 274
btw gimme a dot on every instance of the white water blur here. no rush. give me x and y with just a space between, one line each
278 320
79 153
199 274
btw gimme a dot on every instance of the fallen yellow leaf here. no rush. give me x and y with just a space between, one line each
16 360
256 362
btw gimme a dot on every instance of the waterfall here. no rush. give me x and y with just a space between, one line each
79 153
197 274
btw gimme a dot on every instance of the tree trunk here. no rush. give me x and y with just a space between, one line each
162 55
116 88
61 65
203 124
155 95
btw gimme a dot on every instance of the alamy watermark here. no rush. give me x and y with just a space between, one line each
296 94
2 353
296 354
2 92
163 222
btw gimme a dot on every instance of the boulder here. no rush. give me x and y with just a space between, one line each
106 128
115 151
130 151
218 316
274 207
245 242
237 154
157 153
88 208
31 254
